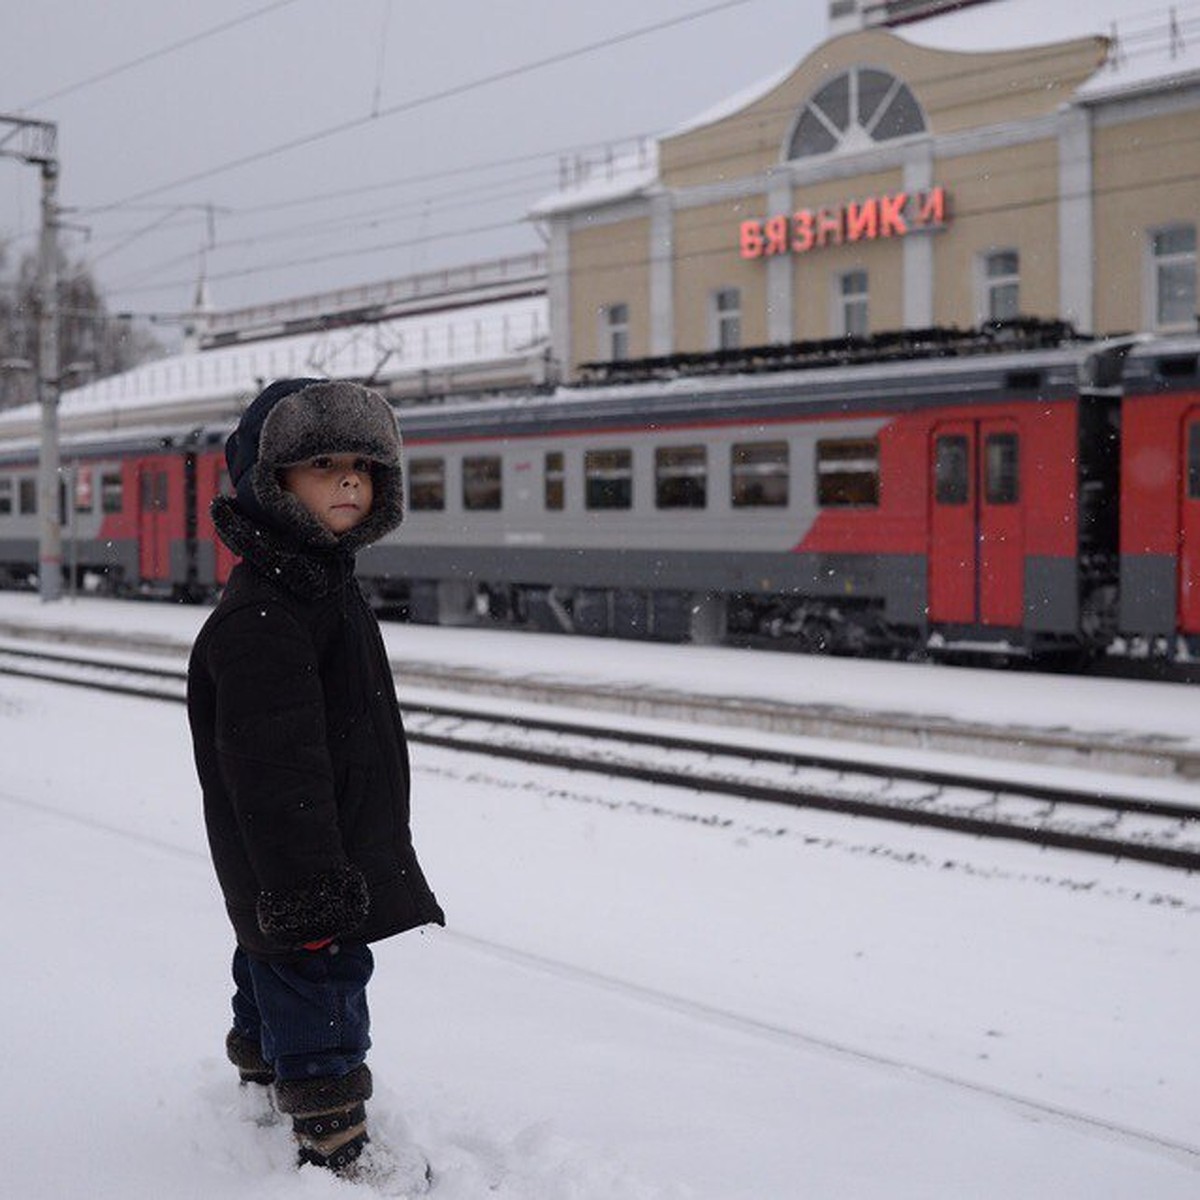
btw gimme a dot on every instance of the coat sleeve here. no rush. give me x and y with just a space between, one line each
274 762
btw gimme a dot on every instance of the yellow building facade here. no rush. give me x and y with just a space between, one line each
883 184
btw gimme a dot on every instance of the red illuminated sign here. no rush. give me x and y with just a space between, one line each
895 215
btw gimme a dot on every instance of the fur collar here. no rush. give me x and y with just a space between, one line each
308 572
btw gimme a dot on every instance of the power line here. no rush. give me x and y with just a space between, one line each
421 102
760 115
121 68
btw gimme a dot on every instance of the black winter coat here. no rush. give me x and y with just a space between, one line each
302 757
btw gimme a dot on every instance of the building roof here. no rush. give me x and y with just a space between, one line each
1154 44
477 343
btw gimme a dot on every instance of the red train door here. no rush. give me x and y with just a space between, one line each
977 551
154 534
1189 526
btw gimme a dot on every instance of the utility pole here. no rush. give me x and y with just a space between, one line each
36 142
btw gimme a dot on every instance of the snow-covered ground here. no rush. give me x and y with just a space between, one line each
640 993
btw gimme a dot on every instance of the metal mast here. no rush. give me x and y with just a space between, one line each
36 142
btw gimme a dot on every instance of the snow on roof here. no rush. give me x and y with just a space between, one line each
735 103
1154 43
509 329
596 181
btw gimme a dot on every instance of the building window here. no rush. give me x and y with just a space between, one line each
27 495
847 472
852 304
427 484
852 112
1174 282
6 497
481 483
759 475
681 477
727 318
614 332
608 478
555 477
1001 285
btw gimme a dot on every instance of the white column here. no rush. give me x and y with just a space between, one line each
918 248
1076 279
662 275
781 303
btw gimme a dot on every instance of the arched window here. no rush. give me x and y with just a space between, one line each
853 112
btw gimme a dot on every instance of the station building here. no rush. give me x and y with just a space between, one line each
930 164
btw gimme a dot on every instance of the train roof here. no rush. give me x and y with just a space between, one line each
1139 362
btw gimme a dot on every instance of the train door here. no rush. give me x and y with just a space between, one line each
1189 526
976 552
154 533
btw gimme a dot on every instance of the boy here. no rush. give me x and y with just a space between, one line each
301 754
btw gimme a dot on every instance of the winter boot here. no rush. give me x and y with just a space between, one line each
247 1057
329 1118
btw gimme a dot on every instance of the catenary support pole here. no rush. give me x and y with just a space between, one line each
49 486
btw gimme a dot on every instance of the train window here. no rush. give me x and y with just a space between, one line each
154 491
1193 453
951 476
848 472
608 478
112 492
555 479
27 495
427 484
83 489
681 476
6 497
759 477
481 483
1001 468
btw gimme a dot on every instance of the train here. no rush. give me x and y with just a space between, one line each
1017 491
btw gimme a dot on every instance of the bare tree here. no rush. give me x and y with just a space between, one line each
93 342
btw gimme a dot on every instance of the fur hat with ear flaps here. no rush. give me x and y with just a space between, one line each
289 422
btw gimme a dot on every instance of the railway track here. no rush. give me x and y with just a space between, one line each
1112 823
1114 750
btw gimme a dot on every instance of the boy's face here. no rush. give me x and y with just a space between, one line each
336 488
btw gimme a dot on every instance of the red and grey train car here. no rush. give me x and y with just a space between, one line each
970 499
133 509
1033 502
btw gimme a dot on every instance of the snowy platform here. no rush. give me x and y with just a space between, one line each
641 994
1103 710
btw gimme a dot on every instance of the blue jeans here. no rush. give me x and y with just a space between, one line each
310 1015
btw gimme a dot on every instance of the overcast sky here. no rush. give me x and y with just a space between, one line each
428 182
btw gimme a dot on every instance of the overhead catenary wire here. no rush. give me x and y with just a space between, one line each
618 261
161 52
1150 39
417 102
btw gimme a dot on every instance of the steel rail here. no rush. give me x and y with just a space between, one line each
795 796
